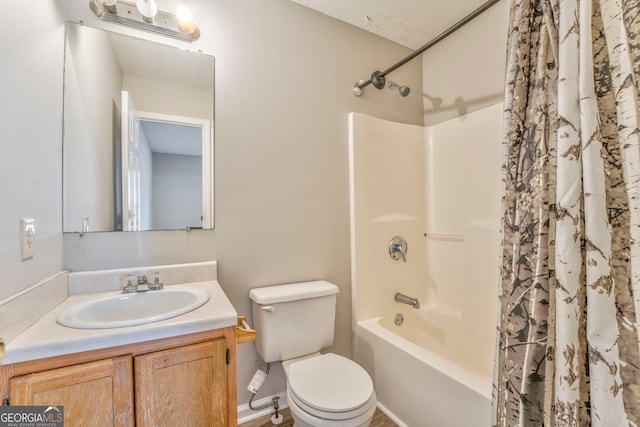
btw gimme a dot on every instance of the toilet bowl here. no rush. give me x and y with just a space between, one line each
329 390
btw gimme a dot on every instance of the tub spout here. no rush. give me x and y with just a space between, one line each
404 299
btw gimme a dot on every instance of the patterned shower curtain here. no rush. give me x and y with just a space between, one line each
567 350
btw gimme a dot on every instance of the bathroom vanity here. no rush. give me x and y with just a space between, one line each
176 371
185 380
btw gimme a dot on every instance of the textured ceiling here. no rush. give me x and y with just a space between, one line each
142 58
410 23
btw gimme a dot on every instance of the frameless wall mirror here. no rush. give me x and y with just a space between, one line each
138 134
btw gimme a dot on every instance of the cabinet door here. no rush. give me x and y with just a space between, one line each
93 394
184 386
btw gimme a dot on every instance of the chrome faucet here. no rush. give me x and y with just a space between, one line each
404 299
398 248
142 284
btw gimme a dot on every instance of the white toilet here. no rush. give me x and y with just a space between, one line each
294 322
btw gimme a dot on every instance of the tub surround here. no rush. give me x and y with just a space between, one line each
442 354
384 205
46 338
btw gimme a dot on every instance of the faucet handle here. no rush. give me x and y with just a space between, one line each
156 285
398 248
130 285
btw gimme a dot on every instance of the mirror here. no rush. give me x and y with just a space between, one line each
138 134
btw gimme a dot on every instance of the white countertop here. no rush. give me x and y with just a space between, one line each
46 338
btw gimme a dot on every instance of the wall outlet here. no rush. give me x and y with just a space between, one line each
28 228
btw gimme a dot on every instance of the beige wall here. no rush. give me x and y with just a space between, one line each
284 75
465 72
93 81
32 52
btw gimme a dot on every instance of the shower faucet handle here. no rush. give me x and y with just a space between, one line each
398 248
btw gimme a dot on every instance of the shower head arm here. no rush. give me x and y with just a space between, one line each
379 82
403 90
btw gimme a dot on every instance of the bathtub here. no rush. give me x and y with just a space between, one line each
415 386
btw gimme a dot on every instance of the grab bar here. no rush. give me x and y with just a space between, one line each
404 299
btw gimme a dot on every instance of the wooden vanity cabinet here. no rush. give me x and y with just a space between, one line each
93 394
188 380
185 386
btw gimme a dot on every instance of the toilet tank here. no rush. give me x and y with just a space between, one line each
293 320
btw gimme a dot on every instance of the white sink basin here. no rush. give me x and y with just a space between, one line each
116 310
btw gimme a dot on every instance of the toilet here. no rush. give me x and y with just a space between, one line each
294 322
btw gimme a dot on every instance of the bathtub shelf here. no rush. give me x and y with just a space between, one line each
243 332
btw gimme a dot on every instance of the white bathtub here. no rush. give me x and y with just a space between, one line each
417 387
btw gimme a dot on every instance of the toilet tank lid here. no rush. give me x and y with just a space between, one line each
292 292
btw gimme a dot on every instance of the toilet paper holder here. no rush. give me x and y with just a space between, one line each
244 333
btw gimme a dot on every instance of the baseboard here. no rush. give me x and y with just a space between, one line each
245 414
391 415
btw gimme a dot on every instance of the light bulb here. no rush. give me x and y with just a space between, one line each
109 5
185 20
147 9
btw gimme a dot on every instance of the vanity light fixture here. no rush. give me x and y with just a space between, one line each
109 5
185 20
148 9
144 15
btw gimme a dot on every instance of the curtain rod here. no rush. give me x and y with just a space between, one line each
378 77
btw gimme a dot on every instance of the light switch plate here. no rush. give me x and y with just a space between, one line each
28 227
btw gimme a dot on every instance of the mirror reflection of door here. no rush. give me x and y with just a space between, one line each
164 183
131 154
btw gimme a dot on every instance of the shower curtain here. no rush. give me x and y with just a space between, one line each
567 350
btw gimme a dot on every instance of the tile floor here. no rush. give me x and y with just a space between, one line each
379 420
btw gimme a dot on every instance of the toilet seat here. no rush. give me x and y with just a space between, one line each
331 387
